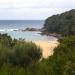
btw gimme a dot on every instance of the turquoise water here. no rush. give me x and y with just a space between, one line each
7 26
31 36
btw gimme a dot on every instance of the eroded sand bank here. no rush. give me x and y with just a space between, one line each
47 47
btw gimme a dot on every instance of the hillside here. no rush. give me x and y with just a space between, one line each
63 24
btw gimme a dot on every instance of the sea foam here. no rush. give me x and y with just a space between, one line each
8 30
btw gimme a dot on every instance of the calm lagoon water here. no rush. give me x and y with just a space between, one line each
7 26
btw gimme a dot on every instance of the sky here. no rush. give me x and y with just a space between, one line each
33 9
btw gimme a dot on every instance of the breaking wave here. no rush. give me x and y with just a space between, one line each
8 30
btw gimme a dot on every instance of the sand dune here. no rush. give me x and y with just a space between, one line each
47 47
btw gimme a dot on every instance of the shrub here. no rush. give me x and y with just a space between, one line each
18 52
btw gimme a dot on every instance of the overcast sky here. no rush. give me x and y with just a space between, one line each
33 9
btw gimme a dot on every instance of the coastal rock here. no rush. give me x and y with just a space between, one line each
30 29
51 34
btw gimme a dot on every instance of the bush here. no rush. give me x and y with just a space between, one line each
22 58
18 52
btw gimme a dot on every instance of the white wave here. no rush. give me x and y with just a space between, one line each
2 30
8 30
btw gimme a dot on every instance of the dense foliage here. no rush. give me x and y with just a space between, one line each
18 57
62 23
63 60
18 52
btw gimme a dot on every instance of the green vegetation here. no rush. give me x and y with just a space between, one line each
18 52
63 24
63 60
18 57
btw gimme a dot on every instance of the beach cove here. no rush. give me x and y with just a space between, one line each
47 43
47 47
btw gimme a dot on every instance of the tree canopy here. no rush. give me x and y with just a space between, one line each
63 24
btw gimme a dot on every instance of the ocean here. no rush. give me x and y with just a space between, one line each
8 26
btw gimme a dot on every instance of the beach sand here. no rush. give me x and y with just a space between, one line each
47 47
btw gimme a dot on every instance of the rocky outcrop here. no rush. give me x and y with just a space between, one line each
30 29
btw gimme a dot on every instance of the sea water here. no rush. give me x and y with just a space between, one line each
8 26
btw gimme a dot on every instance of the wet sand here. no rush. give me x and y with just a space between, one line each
47 47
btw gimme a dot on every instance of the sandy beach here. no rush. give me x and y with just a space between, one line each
47 47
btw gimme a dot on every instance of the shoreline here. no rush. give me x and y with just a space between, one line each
47 47
42 31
